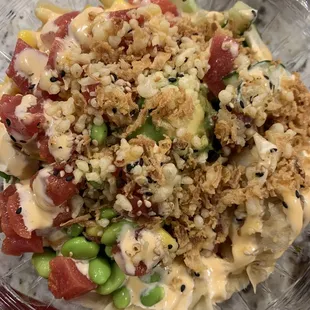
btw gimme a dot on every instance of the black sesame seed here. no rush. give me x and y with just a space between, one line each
141 162
69 178
197 274
247 125
19 210
186 59
172 80
229 108
241 104
266 77
130 167
270 85
13 139
170 246
259 174
284 204
297 194
150 180
32 86
149 194
55 172
180 75
53 79
273 150
212 156
114 110
8 122
182 288
22 141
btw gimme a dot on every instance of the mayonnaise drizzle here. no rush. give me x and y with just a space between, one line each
27 102
30 63
12 161
39 190
34 217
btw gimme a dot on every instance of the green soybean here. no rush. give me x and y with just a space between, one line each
75 230
149 130
108 251
111 233
41 262
121 298
151 278
107 214
99 133
80 248
114 282
95 185
153 296
94 231
99 270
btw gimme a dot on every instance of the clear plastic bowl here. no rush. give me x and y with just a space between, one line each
285 26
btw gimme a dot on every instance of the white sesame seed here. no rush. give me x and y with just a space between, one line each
62 173
147 203
139 203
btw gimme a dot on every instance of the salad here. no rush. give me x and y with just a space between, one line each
152 153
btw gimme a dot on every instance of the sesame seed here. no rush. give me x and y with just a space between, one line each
19 210
170 246
53 79
149 194
197 274
259 174
182 288
241 104
285 205
22 141
8 122
115 78
180 75
62 73
69 178
13 139
172 80
229 108
297 194
149 179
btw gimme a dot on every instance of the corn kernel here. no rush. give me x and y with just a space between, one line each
29 37
168 240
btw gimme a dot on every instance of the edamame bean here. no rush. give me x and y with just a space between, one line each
108 251
121 298
151 278
99 133
111 233
80 248
95 185
41 262
94 231
107 214
99 270
114 282
153 296
149 130
75 230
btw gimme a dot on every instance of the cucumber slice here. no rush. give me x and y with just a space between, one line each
241 17
232 79
187 6
272 71
255 42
